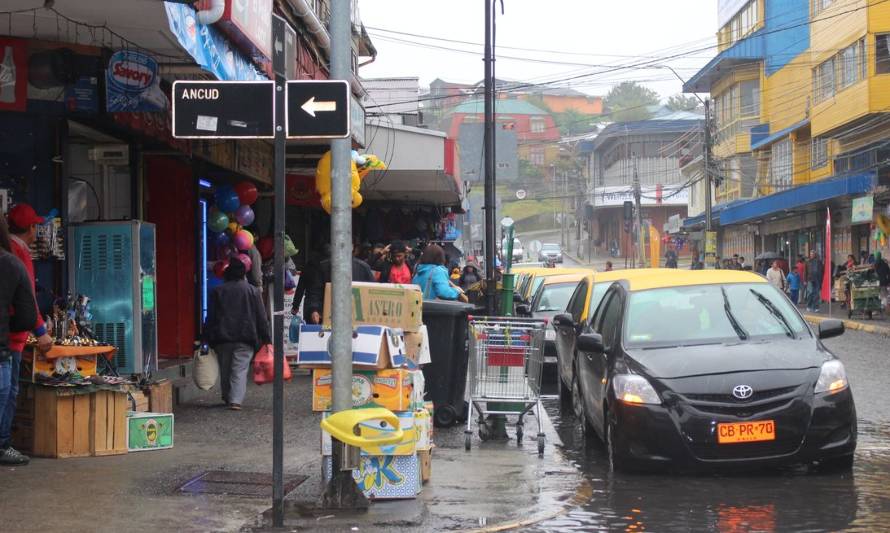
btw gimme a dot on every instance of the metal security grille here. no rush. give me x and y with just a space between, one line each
254 484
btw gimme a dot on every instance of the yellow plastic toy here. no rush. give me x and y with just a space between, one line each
345 426
361 165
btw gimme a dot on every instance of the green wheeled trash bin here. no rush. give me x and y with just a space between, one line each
446 375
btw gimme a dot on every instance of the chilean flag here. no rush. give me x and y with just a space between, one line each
826 276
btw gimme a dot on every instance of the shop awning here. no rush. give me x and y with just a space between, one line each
421 166
797 197
759 140
696 222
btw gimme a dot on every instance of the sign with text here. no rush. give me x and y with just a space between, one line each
224 110
318 109
617 195
132 83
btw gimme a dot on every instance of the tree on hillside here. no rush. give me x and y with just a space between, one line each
573 122
628 100
680 102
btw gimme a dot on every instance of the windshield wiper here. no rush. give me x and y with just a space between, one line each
775 312
732 319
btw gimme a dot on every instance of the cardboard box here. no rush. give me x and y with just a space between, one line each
373 348
417 346
425 458
417 390
385 477
149 431
407 446
139 402
383 304
423 423
160 396
390 388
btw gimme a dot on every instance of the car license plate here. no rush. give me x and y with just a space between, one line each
735 432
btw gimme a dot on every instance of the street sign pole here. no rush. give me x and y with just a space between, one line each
279 66
341 492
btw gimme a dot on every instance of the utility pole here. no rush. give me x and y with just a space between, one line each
706 160
638 219
488 141
341 492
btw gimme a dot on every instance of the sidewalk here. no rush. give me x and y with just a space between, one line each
495 483
879 325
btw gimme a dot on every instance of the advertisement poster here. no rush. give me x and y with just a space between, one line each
863 208
133 84
13 75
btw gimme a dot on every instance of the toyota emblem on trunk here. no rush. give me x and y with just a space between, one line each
742 392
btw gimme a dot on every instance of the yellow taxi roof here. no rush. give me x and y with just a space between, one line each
669 277
565 278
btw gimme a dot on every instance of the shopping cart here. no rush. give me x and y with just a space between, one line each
504 375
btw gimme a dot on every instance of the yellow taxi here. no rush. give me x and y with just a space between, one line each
529 279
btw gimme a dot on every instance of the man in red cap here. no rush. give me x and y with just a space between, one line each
23 221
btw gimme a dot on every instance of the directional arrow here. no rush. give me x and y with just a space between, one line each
311 106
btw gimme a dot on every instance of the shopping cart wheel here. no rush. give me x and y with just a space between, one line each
540 445
519 434
468 440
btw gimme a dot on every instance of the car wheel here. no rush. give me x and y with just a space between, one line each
616 463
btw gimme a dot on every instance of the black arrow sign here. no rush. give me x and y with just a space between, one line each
318 109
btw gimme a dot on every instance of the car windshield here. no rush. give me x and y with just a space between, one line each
704 314
555 297
550 248
536 283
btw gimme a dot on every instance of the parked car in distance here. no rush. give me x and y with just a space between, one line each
711 369
551 252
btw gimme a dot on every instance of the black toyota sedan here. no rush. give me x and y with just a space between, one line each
708 369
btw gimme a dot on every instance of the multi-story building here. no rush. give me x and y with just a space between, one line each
801 96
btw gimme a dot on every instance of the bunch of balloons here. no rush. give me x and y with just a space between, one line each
231 212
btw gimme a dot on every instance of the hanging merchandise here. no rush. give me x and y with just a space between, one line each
222 239
219 268
244 215
247 193
227 199
217 220
361 165
243 240
266 247
245 260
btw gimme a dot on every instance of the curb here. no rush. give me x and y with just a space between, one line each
852 324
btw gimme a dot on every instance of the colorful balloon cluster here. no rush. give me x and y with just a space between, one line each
231 212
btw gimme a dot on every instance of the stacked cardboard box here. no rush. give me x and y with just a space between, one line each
388 346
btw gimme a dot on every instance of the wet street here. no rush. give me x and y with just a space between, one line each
788 500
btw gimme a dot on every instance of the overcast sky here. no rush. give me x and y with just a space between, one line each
600 34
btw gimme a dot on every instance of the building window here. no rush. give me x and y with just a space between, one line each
743 23
537 125
750 98
849 66
821 5
819 153
536 157
780 164
882 53
824 81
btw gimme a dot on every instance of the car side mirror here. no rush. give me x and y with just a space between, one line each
831 328
591 342
523 310
517 298
564 320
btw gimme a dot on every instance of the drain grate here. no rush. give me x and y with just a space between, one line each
226 482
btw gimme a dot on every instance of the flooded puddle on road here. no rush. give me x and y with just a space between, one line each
780 501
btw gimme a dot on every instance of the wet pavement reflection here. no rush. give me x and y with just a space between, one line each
794 499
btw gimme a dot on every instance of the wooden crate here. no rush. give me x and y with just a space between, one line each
108 423
56 422
61 423
160 396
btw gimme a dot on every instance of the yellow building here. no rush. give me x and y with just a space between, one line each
801 103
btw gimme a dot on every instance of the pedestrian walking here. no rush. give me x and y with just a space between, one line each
882 269
18 312
801 268
393 264
314 304
608 266
470 276
814 282
670 258
432 276
793 280
236 327
776 277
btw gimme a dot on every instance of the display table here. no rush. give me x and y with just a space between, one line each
63 359
71 421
